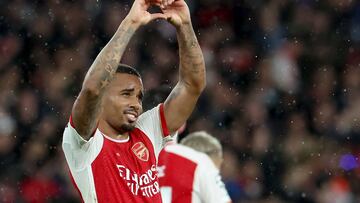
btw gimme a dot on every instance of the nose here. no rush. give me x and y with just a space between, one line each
136 105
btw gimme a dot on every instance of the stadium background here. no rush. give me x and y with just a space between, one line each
283 91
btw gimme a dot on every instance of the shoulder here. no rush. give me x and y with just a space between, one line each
154 112
150 121
80 153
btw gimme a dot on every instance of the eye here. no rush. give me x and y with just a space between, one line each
125 93
140 97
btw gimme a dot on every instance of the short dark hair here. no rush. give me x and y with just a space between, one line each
123 68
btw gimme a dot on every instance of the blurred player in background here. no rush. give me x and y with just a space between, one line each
111 147
189 171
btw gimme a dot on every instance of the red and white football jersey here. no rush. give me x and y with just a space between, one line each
106 170
189 176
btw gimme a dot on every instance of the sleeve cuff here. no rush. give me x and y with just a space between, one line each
164 127
71 122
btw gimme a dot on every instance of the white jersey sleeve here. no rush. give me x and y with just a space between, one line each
211 187
153 124
80 153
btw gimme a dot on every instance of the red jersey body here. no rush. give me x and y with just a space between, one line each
188 176
106 170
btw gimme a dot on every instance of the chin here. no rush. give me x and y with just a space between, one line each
127 127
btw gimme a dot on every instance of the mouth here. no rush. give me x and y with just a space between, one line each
131 116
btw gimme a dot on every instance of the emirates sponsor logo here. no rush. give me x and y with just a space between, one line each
145 184
140 151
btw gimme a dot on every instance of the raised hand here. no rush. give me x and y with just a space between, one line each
176 12
87 107
139 15
192 77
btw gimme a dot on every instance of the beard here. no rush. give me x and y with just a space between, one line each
127 127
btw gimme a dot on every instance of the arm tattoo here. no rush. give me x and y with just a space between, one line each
99 76
174 93
192 66
107 61
182 99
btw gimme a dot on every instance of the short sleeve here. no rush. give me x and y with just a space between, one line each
80 153
153 124
211 187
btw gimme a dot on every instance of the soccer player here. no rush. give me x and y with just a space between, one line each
111 147
189 171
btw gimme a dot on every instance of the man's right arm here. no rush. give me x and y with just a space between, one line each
86 108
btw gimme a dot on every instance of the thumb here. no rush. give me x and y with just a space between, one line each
170 19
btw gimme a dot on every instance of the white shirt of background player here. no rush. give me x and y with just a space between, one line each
206 152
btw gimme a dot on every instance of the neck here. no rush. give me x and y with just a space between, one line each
111 132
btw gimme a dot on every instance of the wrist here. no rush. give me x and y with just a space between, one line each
184 26
130 23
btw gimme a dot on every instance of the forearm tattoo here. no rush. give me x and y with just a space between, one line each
99 76
107 61
192 66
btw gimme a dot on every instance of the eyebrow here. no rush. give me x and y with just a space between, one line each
132 90
128 90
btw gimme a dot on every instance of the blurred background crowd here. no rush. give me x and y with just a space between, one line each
283 92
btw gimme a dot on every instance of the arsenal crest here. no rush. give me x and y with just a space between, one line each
140 151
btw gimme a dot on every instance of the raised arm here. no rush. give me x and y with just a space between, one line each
86 109
192 80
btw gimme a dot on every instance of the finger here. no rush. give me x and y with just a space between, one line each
157 16
156 2
169 19
163 6
146 4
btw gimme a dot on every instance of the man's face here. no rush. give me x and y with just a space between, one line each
122 103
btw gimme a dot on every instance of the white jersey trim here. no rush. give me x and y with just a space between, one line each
115 140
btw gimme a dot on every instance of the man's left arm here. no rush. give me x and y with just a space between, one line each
192 77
